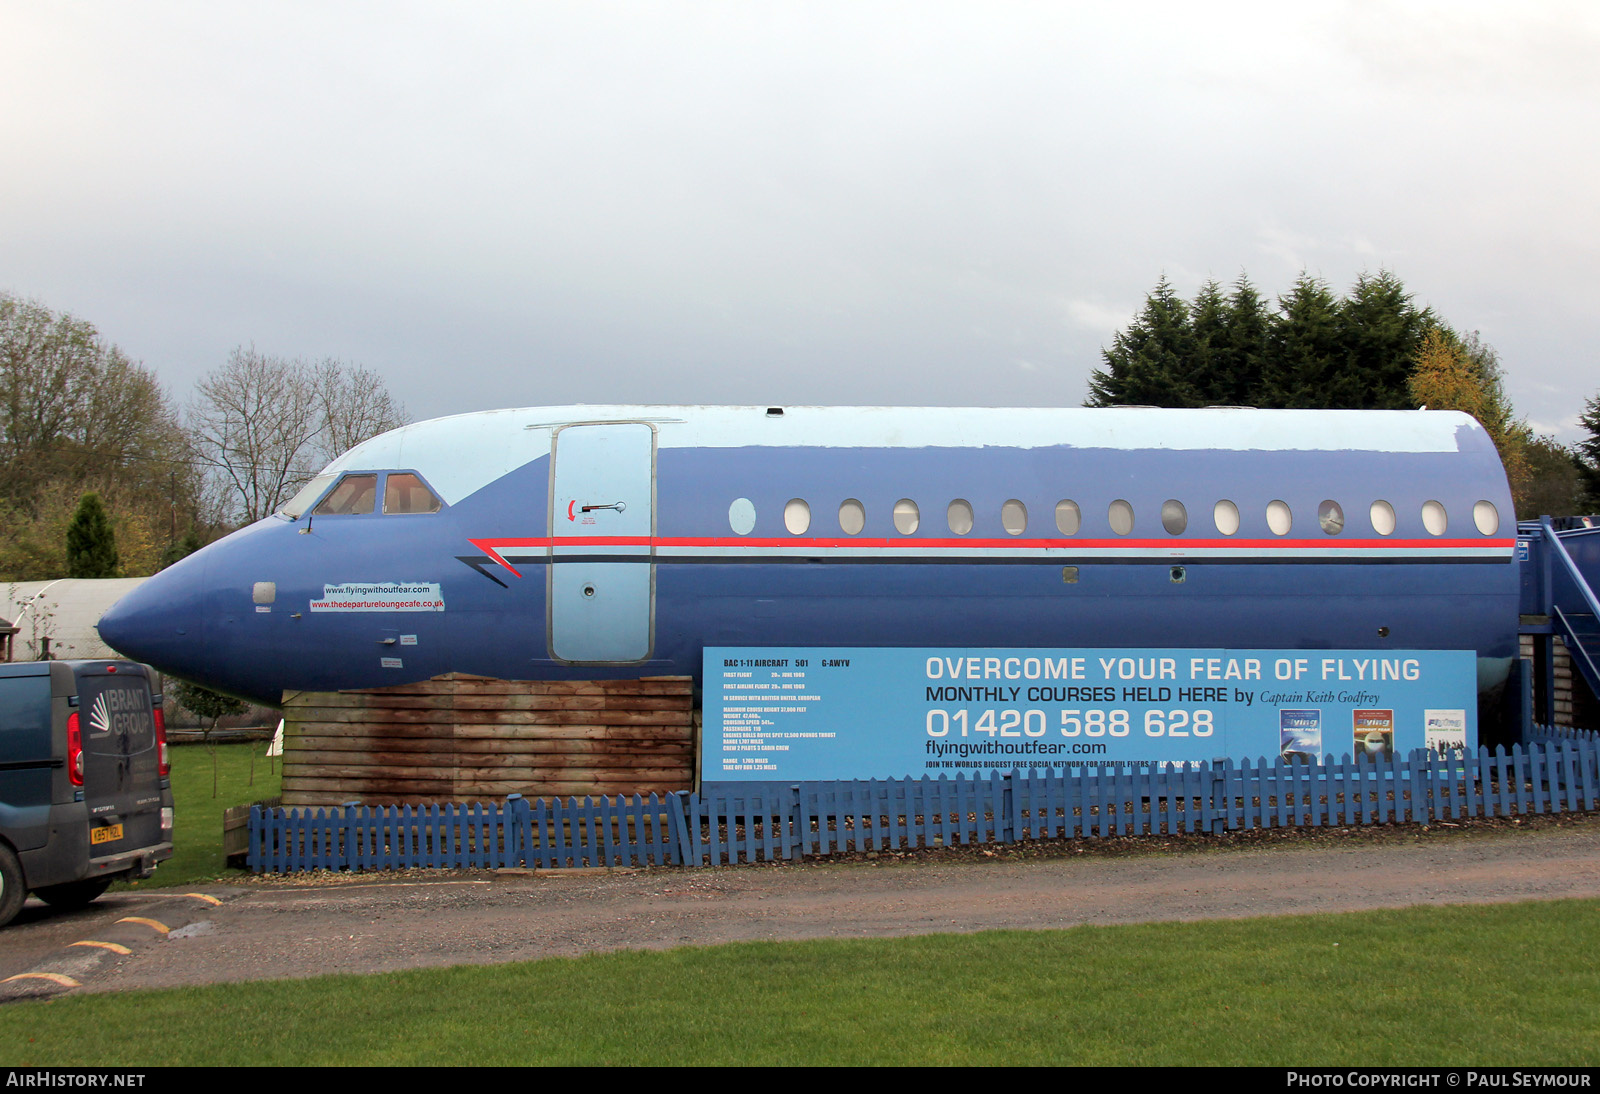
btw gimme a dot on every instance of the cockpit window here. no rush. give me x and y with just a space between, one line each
309 493
355 494
403 492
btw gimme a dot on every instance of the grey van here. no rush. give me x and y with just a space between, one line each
85 797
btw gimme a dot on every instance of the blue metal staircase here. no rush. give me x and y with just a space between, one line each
1561 570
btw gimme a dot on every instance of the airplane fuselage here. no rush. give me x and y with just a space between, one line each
602 542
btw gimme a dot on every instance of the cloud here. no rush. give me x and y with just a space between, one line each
1097 316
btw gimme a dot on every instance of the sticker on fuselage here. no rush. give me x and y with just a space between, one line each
390 663
357 596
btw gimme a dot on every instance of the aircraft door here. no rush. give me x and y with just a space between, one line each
602 518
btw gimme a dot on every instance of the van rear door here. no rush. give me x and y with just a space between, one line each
121 762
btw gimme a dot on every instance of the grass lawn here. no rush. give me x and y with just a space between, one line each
197 816
1486 984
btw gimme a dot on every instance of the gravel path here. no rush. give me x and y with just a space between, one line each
374 923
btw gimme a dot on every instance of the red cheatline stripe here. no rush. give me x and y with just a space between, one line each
491 547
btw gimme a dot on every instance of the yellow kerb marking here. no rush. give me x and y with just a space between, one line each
53 977
205 897
112 946
143 922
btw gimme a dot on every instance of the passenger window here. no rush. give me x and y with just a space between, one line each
1279 519
1014 517
797 516
1174 517
1331 516
959 516
1069 518
354 495
906 516
742 516
1486 517
1226 516
1434 518
1120 513
405 493
1382 518
852 517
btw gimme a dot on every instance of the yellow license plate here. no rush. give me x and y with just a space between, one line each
106 833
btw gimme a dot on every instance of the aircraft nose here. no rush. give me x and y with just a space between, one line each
160 623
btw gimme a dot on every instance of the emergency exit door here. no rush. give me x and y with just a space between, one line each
602 519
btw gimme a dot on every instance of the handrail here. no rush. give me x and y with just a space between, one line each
1559 551
1575 643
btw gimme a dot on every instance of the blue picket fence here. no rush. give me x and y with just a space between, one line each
1557 773
551 834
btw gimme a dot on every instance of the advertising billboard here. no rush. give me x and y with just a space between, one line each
859 713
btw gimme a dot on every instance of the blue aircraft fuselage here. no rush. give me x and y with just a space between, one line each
605 542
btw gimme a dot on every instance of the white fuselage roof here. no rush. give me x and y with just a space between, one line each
460 454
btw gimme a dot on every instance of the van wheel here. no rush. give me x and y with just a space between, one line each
74 894
13 889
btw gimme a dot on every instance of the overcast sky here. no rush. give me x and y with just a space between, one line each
747 202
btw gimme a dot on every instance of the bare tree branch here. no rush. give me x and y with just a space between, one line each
264 424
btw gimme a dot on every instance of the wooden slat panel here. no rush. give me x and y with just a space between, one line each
465 738
335 700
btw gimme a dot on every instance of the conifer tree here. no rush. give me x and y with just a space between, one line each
1316 351
91 544
1240 357
1303 347
1381 331
1589 452
1151 363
